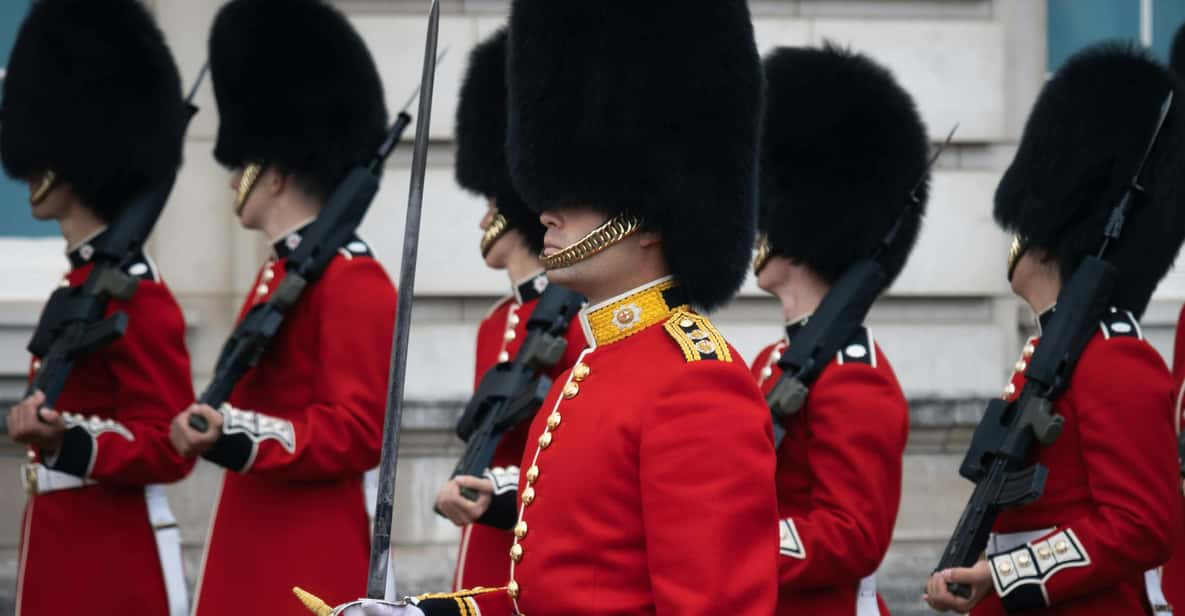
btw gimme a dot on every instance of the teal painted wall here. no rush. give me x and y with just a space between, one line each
1074 24
15 219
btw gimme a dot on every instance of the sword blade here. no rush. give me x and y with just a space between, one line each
384 507
913 194
1164 114
197 83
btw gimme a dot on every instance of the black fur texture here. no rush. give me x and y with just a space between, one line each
1177 53
296 88
92 94
1081 145
842 149
481 138
651 108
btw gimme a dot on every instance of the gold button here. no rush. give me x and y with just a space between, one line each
520 529
545 440
571 389
1021 365
1044 553
707 347
1061 547
503 357
509 335
1029 349
36 365
580 371
1022 560
1010 389
512 589
553 420
261 289
64 283
1005 568
686 323
268 274
533 473
516 552
767 372
774 357
697 334
528 495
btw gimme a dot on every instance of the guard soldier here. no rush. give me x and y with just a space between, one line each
633 130
1112 496
840 464
512 240
300 103
93 117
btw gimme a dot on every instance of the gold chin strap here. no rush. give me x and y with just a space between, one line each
246 184
47 183
612 231
764 252
498 227
1015 252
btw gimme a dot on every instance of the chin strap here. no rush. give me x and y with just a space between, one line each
611 232
498 227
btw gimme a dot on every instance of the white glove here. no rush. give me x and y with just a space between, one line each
376 607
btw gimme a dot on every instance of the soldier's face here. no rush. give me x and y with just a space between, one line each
774 274
603 274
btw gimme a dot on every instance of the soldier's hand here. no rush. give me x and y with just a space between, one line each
978 577
44 433
456 507
189 442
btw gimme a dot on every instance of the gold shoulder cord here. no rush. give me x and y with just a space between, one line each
612 231
498 227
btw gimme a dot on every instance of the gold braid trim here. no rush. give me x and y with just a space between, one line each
498 227
246 184
311 601
764 252
612 231
470 592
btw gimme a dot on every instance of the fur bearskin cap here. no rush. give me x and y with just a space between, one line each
842 149
92 94
1081 144
296 88
481 138
650 108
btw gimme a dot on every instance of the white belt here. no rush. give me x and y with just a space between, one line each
866 604
1003 542
36 479
168 549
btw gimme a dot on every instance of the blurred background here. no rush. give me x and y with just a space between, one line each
950 325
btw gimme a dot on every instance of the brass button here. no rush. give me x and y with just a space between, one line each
686 323
503 357
1043 553
1021 365
268 274
513 319
580 371
697 334
1022 560
553 420
571 389
1029 349
261 289
36 365
516 552
767 372
512 589
528 495
545 440
1005 568
509 335
1010 389
1061 547
520 529
533 473
64 283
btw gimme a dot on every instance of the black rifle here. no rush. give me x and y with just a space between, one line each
836 320
1009 433
511 392
73 322
319 243
1181 453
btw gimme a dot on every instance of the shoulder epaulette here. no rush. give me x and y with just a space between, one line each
697 337
1120 324
141 267
860 349
356 247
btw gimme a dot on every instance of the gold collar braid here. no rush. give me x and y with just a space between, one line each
611 232
498 227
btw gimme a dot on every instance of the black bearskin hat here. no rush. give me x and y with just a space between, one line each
481 138
296 88
1177 53
843 146
92 94
651 108
1081 145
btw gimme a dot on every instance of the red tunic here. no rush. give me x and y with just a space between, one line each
306 423
647 489
481 559
839 478
80 547
1112 496
1173 573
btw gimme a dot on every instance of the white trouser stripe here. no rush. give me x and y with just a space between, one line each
168 548
866 604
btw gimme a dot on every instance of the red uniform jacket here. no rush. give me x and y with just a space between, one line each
481 560
1173 574
303 427
839 477
81 546
647 482
1112 496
